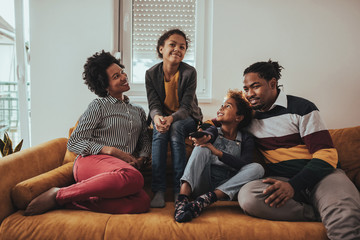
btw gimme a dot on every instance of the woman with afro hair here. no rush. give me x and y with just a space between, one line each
111 141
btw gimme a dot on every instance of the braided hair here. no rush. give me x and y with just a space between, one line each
266 70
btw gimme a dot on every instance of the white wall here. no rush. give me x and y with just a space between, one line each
317 42
63 34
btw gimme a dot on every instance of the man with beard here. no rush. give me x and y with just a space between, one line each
304 183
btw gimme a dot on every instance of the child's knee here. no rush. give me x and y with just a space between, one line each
201 151
258 170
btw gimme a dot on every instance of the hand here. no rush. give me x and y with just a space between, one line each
160 124
280 192
208 145
138 163
200 141
130 159
112 151
168 120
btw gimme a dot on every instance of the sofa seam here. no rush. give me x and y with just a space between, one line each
106 226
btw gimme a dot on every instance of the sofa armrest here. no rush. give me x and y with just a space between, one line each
24 192
347 144
26 164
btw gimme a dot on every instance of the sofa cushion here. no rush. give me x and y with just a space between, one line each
55 225
222 220
347 143
25 191
70 156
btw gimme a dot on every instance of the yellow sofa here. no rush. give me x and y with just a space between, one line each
26 174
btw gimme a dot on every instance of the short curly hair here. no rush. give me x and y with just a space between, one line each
242 105
95 72
166 35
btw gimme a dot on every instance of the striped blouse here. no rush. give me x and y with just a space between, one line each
110 122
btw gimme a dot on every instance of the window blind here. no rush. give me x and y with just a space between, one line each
151 18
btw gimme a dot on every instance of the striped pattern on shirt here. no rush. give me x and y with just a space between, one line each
111 122
295 142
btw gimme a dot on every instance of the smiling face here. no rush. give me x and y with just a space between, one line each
228 112
118 81
260 93
174 49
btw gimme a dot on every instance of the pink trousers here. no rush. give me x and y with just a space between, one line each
105 184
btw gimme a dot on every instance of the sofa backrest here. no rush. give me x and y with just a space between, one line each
347 143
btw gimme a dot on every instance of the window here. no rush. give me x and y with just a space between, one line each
142 22
14 85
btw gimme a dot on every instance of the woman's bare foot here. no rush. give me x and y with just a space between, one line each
42 203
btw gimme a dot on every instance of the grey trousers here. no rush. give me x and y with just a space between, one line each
334 200
204 177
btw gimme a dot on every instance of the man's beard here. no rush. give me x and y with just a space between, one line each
258 107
